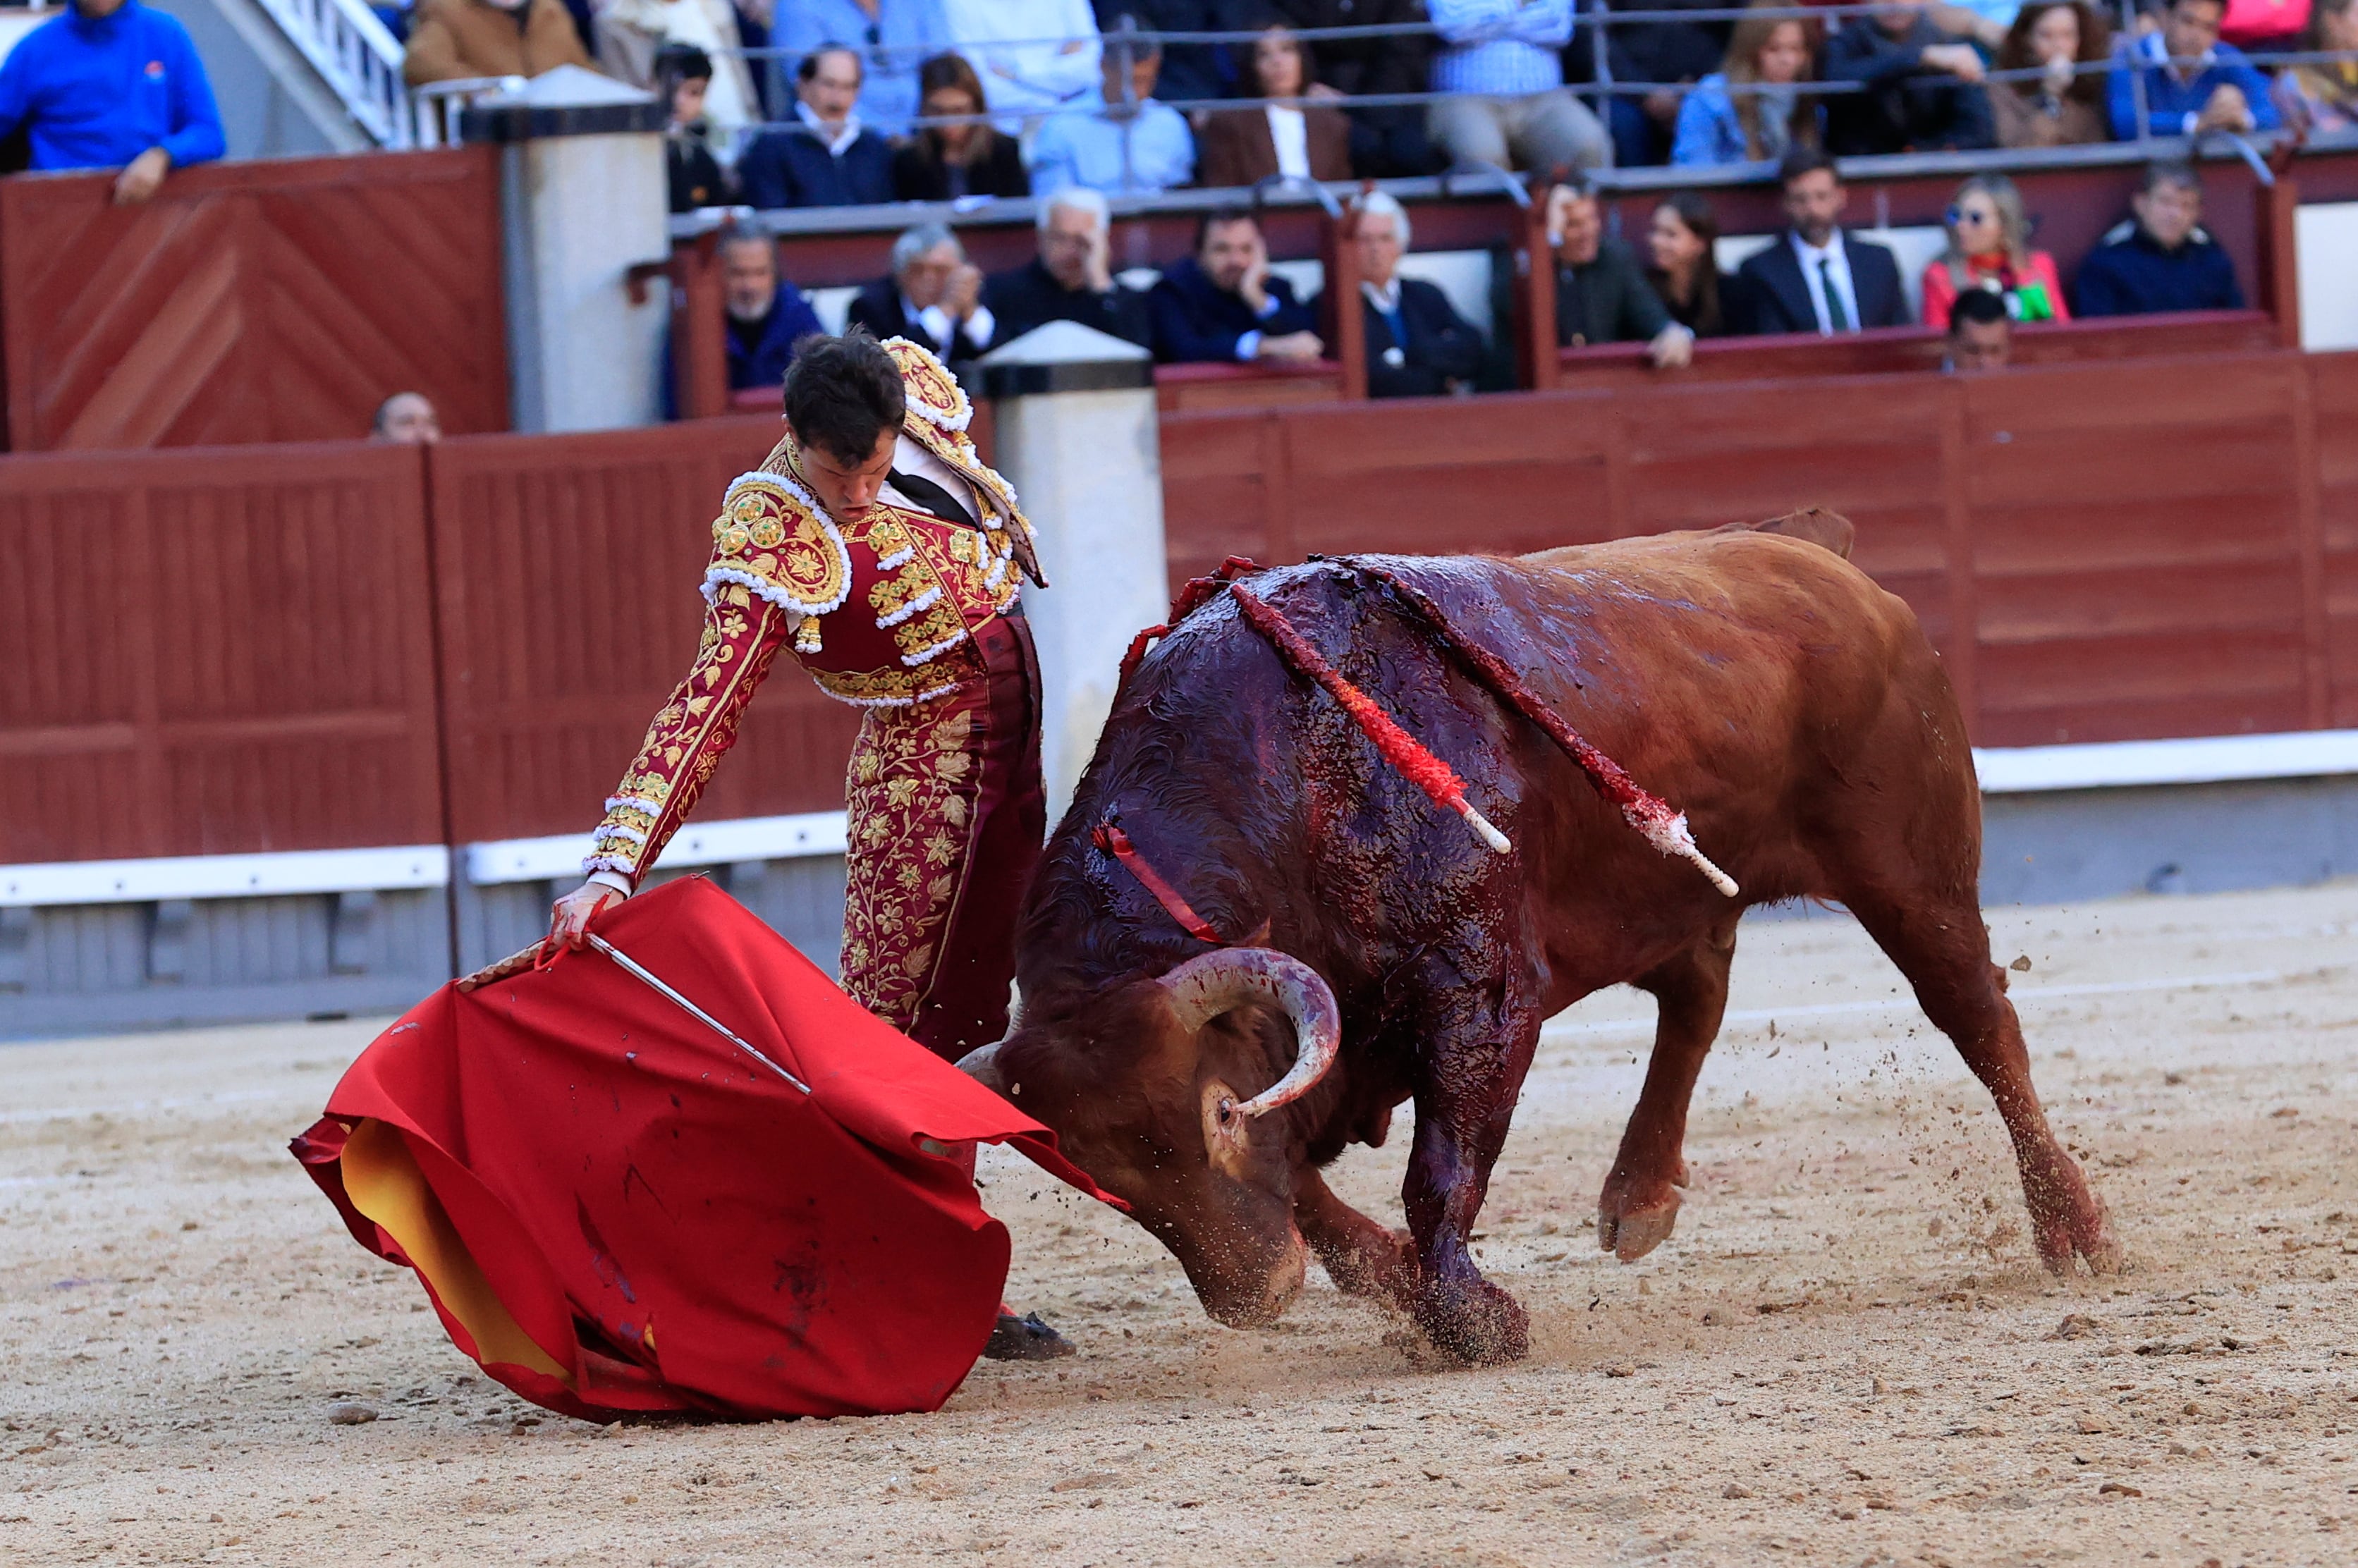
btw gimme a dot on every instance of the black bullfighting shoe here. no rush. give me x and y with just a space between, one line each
1026 1338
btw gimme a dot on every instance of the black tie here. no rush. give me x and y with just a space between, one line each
932 497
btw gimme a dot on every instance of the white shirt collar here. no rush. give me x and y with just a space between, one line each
1831 251
1384 298
840 140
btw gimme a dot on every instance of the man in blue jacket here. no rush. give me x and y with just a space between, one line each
2162 262
2194 82
1223 304
767 315
111 84
830 160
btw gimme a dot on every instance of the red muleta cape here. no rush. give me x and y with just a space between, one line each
613 1208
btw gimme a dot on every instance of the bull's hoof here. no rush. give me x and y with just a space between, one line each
1381 1266
1026 1338
1475 1320
1631 1223
2076 1228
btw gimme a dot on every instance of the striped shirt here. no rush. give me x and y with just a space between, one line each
1500 46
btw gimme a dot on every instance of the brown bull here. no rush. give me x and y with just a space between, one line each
1759 681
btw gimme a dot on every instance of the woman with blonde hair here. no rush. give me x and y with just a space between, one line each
2064 106
1720 122
1989 247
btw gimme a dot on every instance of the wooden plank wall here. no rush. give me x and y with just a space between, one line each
2139 550
567 569
280 300
215 653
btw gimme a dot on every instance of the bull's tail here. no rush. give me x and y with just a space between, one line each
1827 530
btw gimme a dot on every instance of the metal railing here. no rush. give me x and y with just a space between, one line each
354 55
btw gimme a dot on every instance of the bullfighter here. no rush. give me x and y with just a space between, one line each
875 543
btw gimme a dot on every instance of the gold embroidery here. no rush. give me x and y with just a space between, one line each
800 560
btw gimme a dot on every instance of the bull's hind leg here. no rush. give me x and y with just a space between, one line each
1940 944
1475 1057
1640 1201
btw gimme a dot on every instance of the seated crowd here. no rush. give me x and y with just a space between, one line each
881 101
1224 304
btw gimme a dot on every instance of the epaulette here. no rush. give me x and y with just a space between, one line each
773 537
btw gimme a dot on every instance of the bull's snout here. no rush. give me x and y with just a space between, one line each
1259 1302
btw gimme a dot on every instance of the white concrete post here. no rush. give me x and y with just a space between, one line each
1076 435
582 200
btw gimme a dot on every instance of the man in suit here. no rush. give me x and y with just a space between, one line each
1072 277
767 315
1815 276
933 297
1418 346
1223 305
830 160
1601 296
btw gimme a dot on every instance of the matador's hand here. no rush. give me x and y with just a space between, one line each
568 922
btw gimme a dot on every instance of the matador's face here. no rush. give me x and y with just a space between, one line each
846 488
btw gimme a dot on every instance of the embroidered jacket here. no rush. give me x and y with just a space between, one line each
881 612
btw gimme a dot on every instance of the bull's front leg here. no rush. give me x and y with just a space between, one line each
1472 1076
1362 1257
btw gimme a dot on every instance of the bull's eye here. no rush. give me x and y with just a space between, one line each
1227 1111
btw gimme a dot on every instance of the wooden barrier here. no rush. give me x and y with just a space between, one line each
215 653
280 300
2108 551
566 569
238 651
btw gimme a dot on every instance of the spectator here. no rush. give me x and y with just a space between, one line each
1989 252
933 297
1601 296
1190 72
696 179
2194 82
947 163
69 86
2064 107
1922 92
452 39
1668 51
897 40
1072 277
1310 141
1682 240
1386 142
631 34
1509 52
767 315
1769 54
830 160
1981 334
1815 277
1002 40
1418 346
2162 261
1223 304
406 419
2327 93
1131 145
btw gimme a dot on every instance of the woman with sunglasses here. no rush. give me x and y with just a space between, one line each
1989 247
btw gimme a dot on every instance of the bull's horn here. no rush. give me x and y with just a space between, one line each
981 1065
1203 989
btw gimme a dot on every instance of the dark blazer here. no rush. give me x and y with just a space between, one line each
2131 274
696 177
1904 108
1198 323
1030 297
1775 298
792 167
1440 345
877 308
1236 147
1607 301
759 353
919 173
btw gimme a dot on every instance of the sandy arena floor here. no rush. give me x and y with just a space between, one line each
1847 1354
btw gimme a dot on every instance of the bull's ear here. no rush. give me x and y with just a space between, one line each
981 1065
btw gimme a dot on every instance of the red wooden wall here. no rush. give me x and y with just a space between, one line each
566 569
203 653
280 300
310 647
2139 548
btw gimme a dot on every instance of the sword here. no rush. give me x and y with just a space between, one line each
633 967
